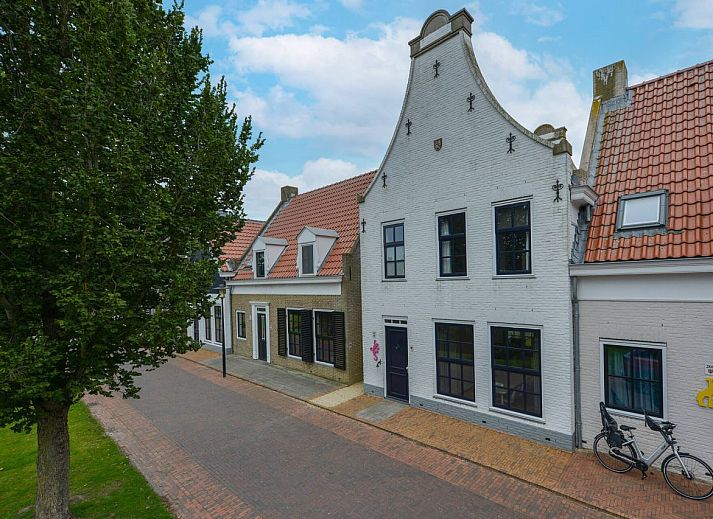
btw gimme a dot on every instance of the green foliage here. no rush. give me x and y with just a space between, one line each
103 482
119 159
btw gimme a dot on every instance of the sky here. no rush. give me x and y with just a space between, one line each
324 80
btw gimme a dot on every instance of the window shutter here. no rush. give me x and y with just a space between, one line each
281 332
340 347
306 339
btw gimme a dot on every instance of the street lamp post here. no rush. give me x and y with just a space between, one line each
221 295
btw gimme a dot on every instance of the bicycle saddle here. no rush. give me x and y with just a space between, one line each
627 428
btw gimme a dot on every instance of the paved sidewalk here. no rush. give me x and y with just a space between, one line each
575 475
224 448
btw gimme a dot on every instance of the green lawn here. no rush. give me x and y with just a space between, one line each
103 482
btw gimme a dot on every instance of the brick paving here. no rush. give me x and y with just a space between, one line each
228 448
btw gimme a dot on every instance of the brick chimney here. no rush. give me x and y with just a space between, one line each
610 81
287 192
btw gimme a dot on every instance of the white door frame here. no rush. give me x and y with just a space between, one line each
255 305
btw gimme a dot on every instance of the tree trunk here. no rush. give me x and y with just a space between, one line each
52 461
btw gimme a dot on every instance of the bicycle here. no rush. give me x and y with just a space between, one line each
687 475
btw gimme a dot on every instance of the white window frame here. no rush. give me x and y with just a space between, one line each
495 237
287 330
661 194
438 214
634 344
314 335
245 320
312 244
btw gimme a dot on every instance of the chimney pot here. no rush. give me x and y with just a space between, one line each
610 81
287 192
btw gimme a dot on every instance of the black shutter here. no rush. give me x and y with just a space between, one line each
281 332
306 339
340 347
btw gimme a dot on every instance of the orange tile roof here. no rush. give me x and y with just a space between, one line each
242 242
662 140
331 207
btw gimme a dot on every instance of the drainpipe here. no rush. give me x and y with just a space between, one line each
576 365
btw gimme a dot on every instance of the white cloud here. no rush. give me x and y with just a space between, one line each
694 14
536 14
351 4
262 192
209 19
635 79
348 90
265 15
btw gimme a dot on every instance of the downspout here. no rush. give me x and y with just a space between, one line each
576 365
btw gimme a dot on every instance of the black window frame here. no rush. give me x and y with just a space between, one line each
660 353
452 237
452 361
208 324
240 324
304 246
516 371
324 343
218 323
499 270
394 244
294 337
196 329
260 264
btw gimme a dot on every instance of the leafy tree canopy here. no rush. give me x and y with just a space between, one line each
119 159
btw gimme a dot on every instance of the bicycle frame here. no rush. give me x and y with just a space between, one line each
644 462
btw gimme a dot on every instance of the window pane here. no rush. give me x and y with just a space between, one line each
307 259
521 215
446 249
533 404
443 227
390 254
389 234
517 401
457 223
399 252
400 269
641 211
503 218
446 266
399 233
458 265
390 270
532 384
500 356
634 379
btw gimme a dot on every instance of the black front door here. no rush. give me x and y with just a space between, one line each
261 336
396 363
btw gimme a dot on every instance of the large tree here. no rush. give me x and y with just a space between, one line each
118 161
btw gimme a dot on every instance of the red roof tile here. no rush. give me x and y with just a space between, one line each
333 207
242 242
662 140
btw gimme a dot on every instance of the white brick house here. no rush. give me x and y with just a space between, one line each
644 279
456 320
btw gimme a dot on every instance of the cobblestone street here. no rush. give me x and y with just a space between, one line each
229 448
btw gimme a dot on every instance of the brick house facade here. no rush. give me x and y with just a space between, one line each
465 279
296 296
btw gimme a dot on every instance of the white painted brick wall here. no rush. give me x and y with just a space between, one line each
687 331
471 171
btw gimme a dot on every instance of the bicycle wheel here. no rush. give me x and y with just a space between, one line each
601 451
700 483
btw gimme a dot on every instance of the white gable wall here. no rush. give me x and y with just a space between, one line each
472 170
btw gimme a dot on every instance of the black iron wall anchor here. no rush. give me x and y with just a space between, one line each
363 225
383 178
557 187
408 127
510 140
470 100
435 67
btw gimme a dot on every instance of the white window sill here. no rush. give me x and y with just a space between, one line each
323 363
452 278
295 357
242 338
456 401
514 276
515 414
632 415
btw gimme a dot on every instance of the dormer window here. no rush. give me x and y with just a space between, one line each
314 245
307 259
260 264
642 210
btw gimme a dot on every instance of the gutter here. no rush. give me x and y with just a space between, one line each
576 366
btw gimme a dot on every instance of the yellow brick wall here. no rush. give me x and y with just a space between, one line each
349 303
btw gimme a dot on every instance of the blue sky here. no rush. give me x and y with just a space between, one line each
324 80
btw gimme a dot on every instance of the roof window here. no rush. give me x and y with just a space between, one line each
642 210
